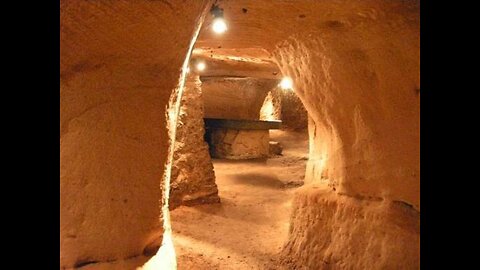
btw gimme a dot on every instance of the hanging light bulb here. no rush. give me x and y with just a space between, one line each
286 83
219 25
201 66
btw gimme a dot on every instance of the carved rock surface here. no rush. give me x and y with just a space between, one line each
294 114
239 144
117 72
272 107
193 178
341 232
355 67
275 148
235 98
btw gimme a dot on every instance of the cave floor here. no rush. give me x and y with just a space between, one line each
250 225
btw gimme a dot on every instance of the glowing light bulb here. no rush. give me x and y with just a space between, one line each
219 25
286 83
201 66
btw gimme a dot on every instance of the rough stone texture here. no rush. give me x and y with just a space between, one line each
193 178
272 107
364 128
225 63
355 67
294 114
119 61
361 96
341 232
235 98
275 148
239 144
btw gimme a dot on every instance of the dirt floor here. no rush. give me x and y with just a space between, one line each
248 228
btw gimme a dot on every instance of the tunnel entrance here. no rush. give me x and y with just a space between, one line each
239 154
231 194
242 148
355 67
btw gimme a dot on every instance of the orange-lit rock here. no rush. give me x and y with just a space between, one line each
119 62
235 98
272 107
294 115
343 232
239 144
355 69
193 179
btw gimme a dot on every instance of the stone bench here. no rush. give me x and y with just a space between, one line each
239 139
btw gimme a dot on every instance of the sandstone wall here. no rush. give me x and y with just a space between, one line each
119 61
341 232
360 84
362 96
294 115
272 106
239 144
193 178
224 63
235 98
355 67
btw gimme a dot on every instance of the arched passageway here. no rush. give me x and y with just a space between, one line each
354 66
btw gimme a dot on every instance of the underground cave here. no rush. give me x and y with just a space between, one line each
239 134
